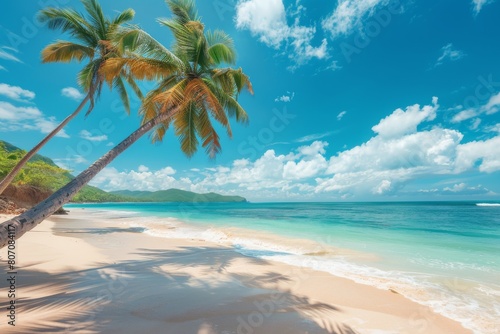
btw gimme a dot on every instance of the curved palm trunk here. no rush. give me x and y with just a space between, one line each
17 168
17 226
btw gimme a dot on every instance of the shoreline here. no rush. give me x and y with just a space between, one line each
93 272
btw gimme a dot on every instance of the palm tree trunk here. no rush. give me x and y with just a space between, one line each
14 228
17 168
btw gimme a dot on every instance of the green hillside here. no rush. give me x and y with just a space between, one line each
176 195
43 173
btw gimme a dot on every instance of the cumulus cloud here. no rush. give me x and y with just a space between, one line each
72 93
143 169
15 118
84 134
267 20
349 15
485 153
382 166
449 54
288 97
144 179
16 93
401 122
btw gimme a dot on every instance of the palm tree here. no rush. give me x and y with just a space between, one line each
193 90
93 37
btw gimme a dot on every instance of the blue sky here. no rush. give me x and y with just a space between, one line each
354 100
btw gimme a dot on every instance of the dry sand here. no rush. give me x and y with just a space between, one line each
82 274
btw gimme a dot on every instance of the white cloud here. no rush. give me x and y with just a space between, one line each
84 134
449 54
143 168
111 179
334 66
493 105
348 15
402 122
315 136
110 144
14 118
478 4
68 163
486 154
475 124
6 53
464 115
384 187
288 97
2 68
434 148
267 20
312 162
72 93
458 189
341 115
494 128
382 166
15 92
9 112
46 125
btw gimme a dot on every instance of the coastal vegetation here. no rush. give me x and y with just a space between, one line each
193 91
93 36
43 174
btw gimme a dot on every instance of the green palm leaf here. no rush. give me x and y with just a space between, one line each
191 86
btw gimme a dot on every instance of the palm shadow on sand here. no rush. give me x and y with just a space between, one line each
139 296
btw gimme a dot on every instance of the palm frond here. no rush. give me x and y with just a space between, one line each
69 20
241 80
189 42
64 51
133 39
154 102
220 47
158 133
125 16
210 138
185 128
120 87
183 10
229 102
99 22
131 81
198 92
139 68
89 80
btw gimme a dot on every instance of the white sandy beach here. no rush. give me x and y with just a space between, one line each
82 274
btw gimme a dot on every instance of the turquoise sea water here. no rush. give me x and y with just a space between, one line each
442 254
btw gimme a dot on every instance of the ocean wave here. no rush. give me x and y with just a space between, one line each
467 302
488 204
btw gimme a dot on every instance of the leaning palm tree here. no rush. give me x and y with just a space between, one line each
193 90
93 42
